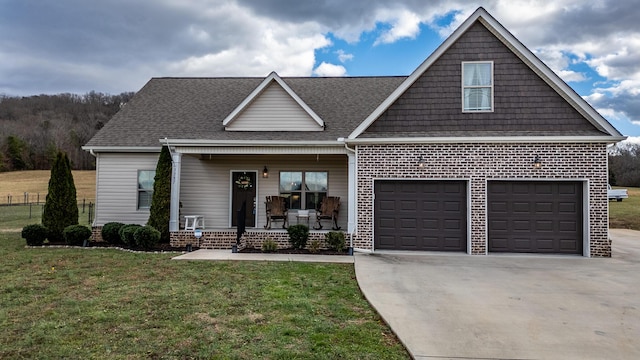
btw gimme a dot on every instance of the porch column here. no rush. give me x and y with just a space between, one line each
352 193
174 210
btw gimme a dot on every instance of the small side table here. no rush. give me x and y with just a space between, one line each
192 222
304 215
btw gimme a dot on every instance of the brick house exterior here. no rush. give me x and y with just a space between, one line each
501 157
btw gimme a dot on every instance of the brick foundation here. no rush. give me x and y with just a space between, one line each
479 163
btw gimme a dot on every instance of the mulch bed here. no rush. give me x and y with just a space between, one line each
164 247
293 251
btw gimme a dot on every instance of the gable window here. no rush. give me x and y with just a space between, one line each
477 86
145 188
303 189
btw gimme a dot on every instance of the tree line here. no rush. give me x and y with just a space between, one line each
34 129
624 165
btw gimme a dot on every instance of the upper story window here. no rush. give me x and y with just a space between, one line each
145 188
477 86
303 189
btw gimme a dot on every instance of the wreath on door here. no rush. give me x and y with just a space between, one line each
243 182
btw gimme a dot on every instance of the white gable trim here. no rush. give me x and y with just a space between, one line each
488 139
519 49
258 90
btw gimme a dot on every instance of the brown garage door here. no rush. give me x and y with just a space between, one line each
420 215
535 216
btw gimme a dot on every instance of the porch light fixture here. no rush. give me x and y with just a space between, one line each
420 162
537 163
265 172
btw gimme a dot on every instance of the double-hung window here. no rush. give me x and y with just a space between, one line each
477 86
303 189
145 188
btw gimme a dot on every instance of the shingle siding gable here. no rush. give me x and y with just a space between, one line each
524 103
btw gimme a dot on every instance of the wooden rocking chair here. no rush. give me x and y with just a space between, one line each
329 210
276 210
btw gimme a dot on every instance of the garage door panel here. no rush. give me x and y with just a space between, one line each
540 216
429 215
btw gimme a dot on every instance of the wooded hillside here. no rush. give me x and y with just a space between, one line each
34 128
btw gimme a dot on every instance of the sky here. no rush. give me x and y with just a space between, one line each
114 46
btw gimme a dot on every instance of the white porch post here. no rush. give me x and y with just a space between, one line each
174 211
352 193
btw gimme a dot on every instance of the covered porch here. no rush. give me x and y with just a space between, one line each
214 182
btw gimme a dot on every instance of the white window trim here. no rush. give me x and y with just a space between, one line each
463 87
138 190
303 193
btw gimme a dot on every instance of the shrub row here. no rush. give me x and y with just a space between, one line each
131 235
299 235
35 234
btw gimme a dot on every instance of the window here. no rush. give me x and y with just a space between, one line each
477 86
145 188
303 190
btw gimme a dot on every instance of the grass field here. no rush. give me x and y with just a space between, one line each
625 214
16 183
104 303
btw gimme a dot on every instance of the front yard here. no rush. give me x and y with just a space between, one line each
105 303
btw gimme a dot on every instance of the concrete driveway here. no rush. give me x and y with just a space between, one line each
510 307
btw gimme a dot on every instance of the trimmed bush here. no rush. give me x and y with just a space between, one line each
61 208
34 234
269 246
126 234
161 198
111 232
146 237
76 234
335 240
314 247
298 235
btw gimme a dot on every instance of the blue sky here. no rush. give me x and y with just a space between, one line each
113 46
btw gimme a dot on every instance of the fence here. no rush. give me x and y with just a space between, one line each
28 211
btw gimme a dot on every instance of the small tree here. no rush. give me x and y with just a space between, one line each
161 198
61 207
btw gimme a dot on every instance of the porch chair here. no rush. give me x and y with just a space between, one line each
329 210
276 210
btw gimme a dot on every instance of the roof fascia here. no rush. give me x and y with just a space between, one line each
489 139
245 143
258 90
519 49
123 149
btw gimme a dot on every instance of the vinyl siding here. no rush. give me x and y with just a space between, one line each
205 185
116 185
274 110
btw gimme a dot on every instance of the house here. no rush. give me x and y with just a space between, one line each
481 149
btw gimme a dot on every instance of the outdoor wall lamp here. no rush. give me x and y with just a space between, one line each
265 172
537 163
420 162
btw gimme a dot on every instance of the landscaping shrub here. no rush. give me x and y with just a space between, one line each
335 240
61 208
269 246
111 232
314 247
298 235
34 234
146 237
126 234
76 234
159 213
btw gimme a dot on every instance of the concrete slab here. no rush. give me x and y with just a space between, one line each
510 307
227 255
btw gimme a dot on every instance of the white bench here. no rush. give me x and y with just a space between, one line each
192 222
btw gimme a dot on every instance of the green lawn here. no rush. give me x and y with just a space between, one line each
104 303
625 214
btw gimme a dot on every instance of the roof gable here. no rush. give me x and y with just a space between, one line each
592 122
273 106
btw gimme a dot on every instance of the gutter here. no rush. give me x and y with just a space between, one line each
488 139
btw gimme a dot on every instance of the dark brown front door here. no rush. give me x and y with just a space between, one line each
243 186
535 216
422 215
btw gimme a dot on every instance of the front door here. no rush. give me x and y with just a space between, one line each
243 185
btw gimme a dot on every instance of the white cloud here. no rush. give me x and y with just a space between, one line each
344 57
404 24
326 69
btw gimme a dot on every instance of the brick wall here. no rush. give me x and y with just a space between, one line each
478 163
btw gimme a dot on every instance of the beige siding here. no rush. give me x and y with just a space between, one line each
274 110
117 183
206 184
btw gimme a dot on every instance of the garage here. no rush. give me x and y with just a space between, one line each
423 215
535 216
